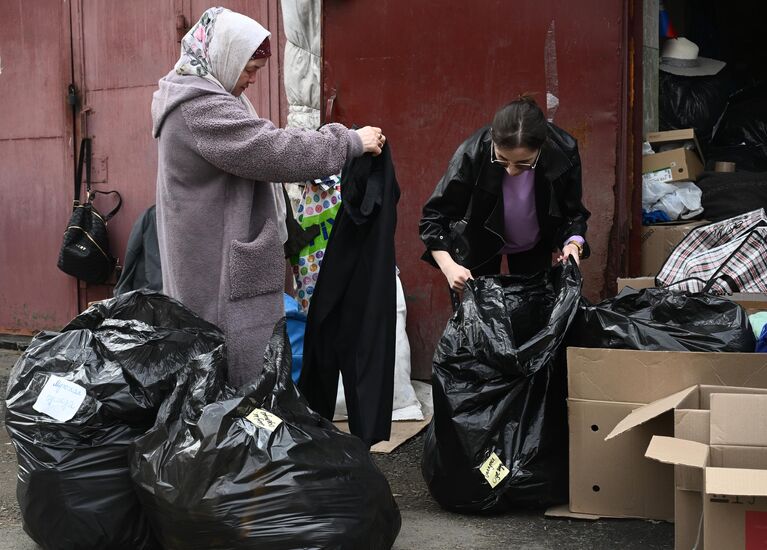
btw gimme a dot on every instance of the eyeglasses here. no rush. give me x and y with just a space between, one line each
518 165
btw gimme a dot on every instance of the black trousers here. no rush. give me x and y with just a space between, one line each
528 262
531 261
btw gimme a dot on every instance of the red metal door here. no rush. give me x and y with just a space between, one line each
36 165
431 72
121 50
114 53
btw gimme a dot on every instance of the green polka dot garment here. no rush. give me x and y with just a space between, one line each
319 206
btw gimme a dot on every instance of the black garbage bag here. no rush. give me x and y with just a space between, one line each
104 377
693 102
259 469
499 387
741 134
658 319
745 120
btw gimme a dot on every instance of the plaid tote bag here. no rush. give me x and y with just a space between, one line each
720 258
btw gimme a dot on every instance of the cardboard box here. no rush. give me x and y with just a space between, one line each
752 302
658 241
611 478
678 164
721 484
637 283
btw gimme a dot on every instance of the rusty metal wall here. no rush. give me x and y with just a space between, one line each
431 72
36 170
114 52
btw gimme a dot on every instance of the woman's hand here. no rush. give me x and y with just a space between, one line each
456 274
372 139
571 250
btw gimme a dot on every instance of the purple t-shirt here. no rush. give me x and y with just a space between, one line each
521 228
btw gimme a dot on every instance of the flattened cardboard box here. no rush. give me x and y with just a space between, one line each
610 478
733 497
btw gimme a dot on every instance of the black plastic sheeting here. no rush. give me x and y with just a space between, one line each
211 479
658 319
499 386
74 485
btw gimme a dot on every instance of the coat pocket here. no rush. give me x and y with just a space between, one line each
257 267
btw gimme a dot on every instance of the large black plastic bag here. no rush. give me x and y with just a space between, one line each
209 478
499 386
74 485
745 120
658 319
692 102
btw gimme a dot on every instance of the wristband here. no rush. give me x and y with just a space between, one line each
577 245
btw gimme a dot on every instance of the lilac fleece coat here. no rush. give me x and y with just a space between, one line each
219 244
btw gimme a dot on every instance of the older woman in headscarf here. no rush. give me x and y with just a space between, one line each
220 225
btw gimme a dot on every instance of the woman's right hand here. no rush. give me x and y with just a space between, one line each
372 139
455 273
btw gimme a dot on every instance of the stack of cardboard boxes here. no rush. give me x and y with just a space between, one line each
719 452
682 162
610 476
653 436
667 435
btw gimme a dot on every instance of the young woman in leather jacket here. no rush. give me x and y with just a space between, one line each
511 189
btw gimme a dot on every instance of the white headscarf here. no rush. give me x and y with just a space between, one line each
217 48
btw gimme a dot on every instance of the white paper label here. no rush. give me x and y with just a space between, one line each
60 398
264 419
493 470
659 176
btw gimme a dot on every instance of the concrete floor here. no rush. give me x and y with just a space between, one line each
424 525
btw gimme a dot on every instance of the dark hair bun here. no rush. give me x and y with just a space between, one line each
521 123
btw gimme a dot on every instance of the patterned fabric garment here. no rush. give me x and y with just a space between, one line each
195 45
720 258
319 206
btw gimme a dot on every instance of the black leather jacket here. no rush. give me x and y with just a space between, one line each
471 175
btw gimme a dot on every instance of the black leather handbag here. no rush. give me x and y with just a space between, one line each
85 251
459 247
459 244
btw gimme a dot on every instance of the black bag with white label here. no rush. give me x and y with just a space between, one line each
76 399
498 438
257 468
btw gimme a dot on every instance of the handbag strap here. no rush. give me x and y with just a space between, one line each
83 160
114 211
